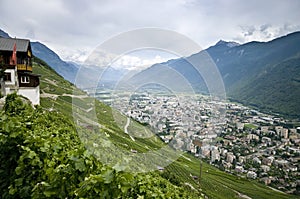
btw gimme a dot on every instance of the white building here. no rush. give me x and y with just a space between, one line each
251 174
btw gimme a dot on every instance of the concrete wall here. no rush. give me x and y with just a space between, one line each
33 94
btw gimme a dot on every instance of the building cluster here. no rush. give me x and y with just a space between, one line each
231 137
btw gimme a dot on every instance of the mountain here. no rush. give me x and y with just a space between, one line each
248 61
261 74
4 34
226 43
184 67
65 69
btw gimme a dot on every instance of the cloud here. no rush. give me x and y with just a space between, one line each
78 24
140 61
248 30
265 27
265 32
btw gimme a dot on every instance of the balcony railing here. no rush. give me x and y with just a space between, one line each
24 67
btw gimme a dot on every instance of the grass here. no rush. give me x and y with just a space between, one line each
214 183
250 126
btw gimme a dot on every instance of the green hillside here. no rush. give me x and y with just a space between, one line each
46 153
278 86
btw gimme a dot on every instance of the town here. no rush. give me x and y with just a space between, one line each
230 136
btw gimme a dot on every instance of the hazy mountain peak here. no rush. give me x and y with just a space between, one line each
227 43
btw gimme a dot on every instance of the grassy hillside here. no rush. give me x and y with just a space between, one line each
58 95
276 89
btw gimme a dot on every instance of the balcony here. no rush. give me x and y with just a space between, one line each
24 67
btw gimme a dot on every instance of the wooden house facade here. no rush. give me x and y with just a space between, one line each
15 60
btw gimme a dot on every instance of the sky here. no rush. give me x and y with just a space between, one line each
73 28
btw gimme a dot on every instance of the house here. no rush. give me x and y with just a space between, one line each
265 168
268 161
230 157
264 129
284 133
266 180
251 174
215 154
15 60
239 169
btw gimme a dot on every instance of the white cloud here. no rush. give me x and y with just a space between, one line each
131 62
78 24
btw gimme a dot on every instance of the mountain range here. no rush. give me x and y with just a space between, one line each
264 75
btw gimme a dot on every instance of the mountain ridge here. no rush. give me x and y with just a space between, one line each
242 65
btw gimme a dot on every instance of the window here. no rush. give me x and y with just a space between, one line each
24 79
7 77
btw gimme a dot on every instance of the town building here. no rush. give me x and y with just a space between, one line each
15 61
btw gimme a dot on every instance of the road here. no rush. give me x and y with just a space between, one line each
126 130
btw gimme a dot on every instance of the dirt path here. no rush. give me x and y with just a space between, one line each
51 81
49 95
55 96
75 96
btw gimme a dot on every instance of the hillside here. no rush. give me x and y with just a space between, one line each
58 96
276 89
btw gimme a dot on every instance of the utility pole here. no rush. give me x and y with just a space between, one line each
199 144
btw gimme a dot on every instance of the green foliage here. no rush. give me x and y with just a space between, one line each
14 105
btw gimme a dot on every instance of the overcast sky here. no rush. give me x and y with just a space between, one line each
73 27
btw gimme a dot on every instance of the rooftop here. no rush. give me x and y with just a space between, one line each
7 44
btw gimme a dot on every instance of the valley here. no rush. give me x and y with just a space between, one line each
179 172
